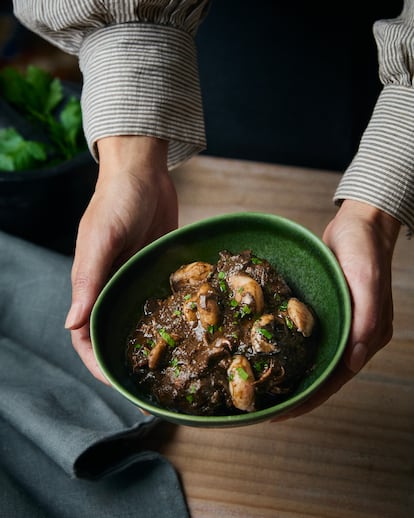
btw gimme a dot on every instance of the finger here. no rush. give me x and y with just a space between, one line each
91 268
82 344
365 296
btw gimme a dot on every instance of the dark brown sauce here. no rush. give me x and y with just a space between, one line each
224 341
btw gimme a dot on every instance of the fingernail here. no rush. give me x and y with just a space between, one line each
358 357
73 315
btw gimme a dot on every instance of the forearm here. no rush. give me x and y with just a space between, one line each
382 172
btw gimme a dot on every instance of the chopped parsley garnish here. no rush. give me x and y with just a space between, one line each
242 373
175 365
289 323
256 260
264 332
190 396
222 286
283 307
167 337
260 365
211 329
246 310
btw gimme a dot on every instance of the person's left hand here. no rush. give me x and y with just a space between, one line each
363 240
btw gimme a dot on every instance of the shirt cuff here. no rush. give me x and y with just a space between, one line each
382 172
142 79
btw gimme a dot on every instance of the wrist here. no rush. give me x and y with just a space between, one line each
134 155
383 223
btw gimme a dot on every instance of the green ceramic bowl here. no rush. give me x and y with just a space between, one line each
303 259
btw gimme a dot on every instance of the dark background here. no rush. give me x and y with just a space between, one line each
290 82
284 82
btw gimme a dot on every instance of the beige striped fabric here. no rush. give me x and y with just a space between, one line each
139 64
382 172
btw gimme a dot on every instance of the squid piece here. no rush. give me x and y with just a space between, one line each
247 292
301 316
208 308
156 353
261 334
190 275
241 383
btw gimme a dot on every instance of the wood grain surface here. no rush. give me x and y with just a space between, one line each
351 457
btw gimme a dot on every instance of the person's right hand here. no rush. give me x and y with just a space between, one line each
134 203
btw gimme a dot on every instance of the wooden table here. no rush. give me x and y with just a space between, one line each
353 456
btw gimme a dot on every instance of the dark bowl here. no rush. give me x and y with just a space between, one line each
44 205
308 266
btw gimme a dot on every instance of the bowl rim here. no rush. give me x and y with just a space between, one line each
237 419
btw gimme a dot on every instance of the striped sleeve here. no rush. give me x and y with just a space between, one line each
139 64
382 171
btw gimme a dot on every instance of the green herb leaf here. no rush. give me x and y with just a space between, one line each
264 332
17 154
246 310
283 306
71 120
211 329
167 337
289 322
242 373
38 96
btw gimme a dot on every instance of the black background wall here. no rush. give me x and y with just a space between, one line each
290 82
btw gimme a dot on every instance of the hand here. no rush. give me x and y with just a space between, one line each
134 203
363 240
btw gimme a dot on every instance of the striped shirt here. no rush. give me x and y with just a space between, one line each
140 77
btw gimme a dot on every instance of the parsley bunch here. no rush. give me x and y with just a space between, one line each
40 98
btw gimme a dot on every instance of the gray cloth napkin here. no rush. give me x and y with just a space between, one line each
69 445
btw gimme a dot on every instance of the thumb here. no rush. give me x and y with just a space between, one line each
91 268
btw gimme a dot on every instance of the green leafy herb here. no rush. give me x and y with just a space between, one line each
191 391
242 373
264 332
39 97
177 313
246 310
175 365
289 322
167 337
211 329
256 260
283 306
16 153
260 365
223 286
